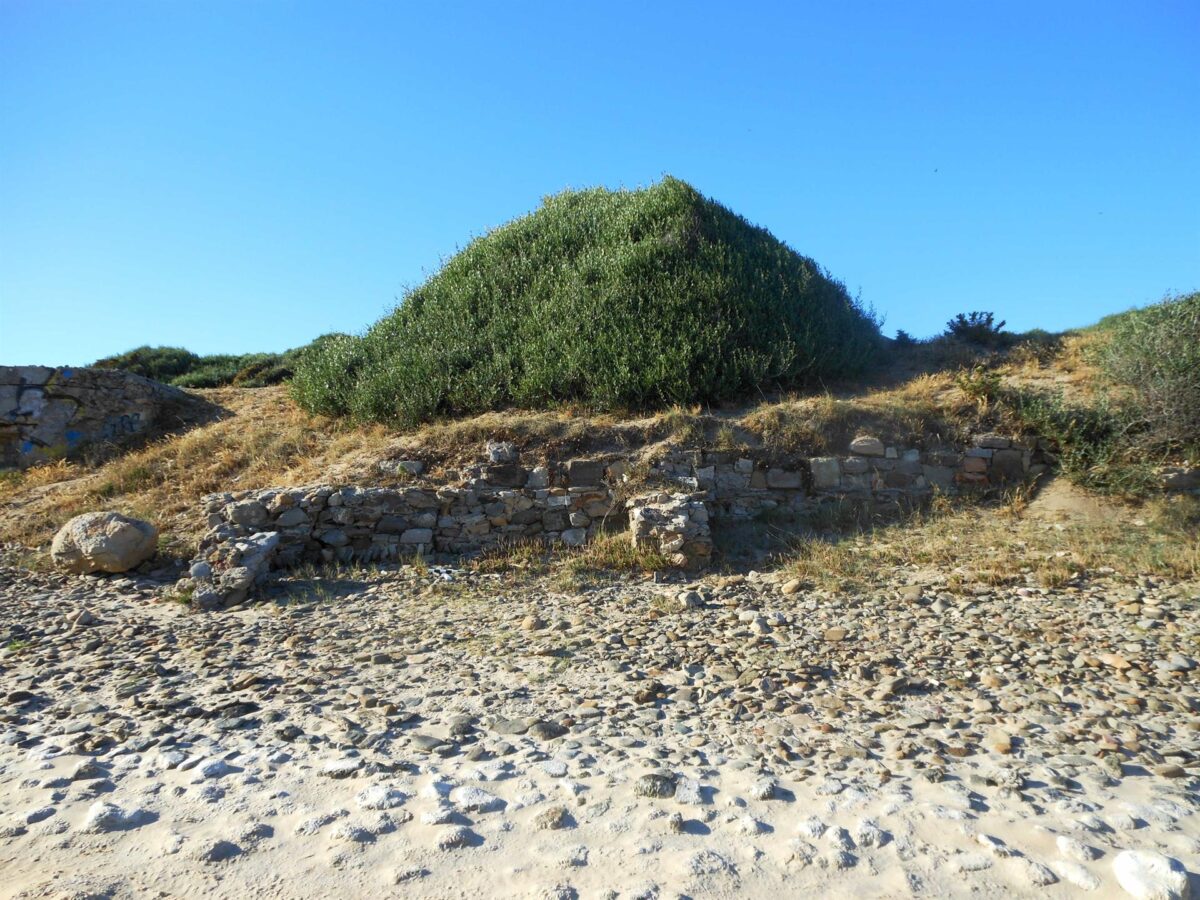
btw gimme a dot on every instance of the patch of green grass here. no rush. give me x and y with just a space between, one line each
614 299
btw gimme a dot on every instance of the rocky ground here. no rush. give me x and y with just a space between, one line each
448 734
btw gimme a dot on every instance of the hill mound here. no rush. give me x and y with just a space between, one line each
615 299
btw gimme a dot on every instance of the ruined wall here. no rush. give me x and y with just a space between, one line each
503 502
49 413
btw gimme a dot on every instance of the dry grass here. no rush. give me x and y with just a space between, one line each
266 441
929 407
571 569
1002 544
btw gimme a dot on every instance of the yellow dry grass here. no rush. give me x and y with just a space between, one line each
265 440
1002 544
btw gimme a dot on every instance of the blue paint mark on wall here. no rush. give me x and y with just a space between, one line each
26 446
65 373
74 437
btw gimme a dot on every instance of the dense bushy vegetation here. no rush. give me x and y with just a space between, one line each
616 299
182 368
1155 352
1146 413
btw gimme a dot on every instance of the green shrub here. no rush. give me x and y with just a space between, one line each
977 328
617 299
179 367
1155 352
159 363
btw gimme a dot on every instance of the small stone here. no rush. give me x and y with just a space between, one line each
1035 873
836 634
812 827
1073 848
1077 875
455 838
379 797
102 817
469 798
551 819
217 851
655 785
341 768
764 789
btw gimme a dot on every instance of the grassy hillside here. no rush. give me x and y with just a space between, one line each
613 299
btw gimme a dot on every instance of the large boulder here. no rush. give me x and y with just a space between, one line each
103 542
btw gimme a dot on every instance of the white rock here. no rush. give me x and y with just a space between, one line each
1076 874
687 792
379 796
868 833
1148 875
812 827
994 845
469 798
103 542
103 816
1035 873
748 825
1072 848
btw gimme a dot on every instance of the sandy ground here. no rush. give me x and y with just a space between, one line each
438 734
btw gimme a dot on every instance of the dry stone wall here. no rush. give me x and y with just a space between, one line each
50 413
504 501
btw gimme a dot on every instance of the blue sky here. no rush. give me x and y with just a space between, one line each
245 176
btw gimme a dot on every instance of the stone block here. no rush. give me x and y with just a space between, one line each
556 519
392 525
992 441
855 465
507 475
290 517
941 476
417 536
826 473
1008 465
585 473
866 445
975 465
783 479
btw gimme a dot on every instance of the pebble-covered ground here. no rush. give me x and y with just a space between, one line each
447 734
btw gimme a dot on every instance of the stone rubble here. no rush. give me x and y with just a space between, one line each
404 730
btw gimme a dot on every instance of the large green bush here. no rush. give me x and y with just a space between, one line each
1155 352
612 298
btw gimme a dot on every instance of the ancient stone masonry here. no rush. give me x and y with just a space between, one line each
503 502
675 525
49 413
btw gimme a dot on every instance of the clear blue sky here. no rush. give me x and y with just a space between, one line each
237 176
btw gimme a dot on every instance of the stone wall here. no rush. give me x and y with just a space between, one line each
49 413
502 502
